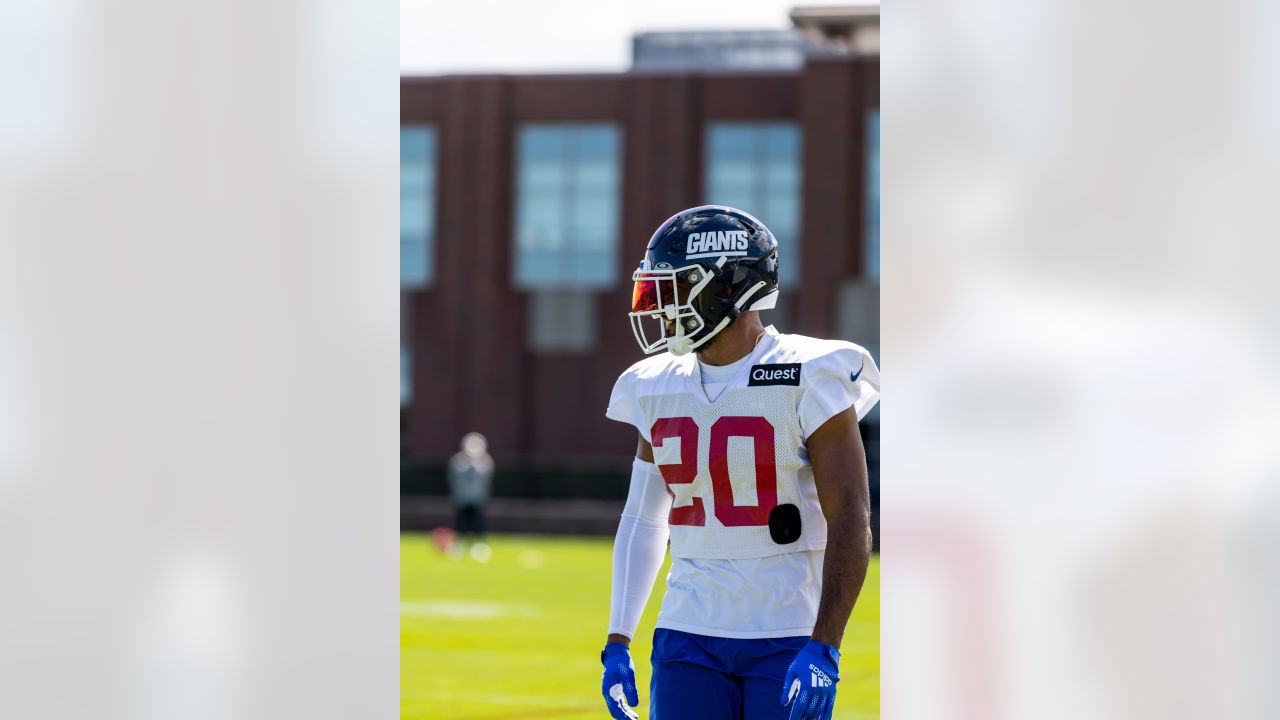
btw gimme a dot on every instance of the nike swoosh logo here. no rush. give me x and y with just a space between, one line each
619 697
853 376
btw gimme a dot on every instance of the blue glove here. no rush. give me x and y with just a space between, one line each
619 684
810 685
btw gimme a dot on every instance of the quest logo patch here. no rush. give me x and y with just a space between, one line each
781 374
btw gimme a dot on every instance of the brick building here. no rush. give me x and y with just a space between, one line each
527 202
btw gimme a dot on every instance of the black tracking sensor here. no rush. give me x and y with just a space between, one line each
784 524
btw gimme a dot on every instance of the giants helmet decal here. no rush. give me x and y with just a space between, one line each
702 269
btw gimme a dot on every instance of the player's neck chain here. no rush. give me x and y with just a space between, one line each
757 342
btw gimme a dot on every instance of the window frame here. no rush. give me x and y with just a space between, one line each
575 268
426 278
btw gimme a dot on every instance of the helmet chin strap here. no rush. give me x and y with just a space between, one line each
684 345
680 346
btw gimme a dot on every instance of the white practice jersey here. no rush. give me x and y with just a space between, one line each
729 463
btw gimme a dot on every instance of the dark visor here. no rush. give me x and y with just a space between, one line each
652 294
645 296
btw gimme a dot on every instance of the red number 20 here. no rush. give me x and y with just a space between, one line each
728 513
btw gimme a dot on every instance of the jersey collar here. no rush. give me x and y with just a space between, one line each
694 376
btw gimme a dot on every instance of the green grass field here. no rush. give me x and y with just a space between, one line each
520 635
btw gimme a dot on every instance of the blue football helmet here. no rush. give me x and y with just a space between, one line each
702 269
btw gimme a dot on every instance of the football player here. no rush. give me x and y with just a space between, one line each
750 462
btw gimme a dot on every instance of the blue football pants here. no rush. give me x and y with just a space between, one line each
698 677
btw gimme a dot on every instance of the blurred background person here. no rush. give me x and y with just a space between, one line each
470 482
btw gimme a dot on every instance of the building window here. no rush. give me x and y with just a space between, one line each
871 251
417 205
561 321
568 180
755 166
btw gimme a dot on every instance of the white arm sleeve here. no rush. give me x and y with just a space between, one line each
639 547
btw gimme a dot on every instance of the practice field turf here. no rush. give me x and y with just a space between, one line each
520 635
